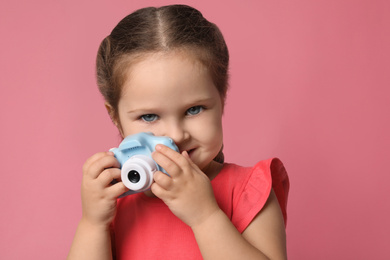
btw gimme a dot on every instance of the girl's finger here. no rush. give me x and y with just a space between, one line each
108 175
159 192
163 180
166 163
91 160
117 189
186 155
102 163
171 154
172 157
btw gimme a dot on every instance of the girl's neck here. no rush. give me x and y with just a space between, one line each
213 169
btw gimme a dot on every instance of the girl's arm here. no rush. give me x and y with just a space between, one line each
264 238
92 239
91 242
189 195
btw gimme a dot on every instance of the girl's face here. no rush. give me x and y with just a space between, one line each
173 95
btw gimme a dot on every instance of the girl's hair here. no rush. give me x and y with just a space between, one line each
151 30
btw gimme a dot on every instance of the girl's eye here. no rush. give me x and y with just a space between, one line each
149 117
194 110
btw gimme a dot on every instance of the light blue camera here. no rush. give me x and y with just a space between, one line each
135 157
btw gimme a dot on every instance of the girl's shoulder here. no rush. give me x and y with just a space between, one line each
265 172
243 191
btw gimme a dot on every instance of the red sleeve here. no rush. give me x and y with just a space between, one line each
254 192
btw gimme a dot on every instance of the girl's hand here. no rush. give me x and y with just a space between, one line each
187 191
98 195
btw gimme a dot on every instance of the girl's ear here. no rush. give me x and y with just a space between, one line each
111 113
113 116
223 104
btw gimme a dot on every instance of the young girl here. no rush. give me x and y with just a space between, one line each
165 70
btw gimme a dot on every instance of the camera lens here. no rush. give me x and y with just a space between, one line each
133 176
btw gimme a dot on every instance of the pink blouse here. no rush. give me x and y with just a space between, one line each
145 228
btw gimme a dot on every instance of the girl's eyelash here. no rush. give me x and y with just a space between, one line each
192 111
149 118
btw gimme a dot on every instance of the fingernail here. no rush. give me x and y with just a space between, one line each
158 147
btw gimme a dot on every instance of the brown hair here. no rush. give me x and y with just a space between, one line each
163 29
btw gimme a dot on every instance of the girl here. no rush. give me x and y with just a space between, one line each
164 70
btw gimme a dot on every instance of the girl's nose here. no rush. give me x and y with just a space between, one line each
177 132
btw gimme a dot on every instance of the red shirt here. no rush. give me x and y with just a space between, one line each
145 228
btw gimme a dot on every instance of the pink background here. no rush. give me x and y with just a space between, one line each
309 84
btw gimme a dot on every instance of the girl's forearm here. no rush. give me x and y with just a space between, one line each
91 242
217 238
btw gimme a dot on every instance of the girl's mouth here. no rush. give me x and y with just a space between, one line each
189 152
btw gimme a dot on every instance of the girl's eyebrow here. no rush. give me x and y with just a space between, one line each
141 110
202 100
149 110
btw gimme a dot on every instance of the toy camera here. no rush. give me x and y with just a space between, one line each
135 157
